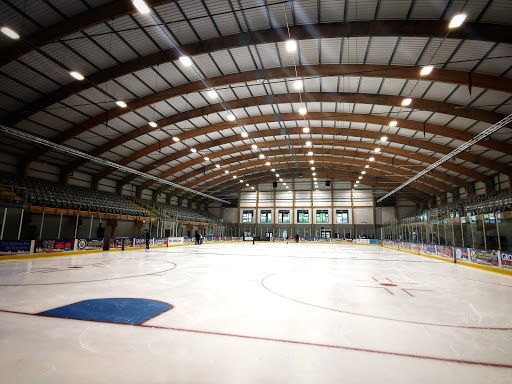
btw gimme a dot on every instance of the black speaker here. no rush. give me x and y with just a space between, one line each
274 184
328 183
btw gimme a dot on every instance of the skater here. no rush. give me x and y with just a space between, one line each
198 238
147 239
297 238
286 239
253 239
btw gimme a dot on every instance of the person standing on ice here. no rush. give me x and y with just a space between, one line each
147 239
198 238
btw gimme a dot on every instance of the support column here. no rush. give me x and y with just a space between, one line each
312 209
275 215
256 213
238 220
374 214
352 207
333 214
292 216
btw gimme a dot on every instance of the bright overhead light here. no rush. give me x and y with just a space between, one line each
305 130
176 139
287 187
186 61
226 171
314 174
360 177
384 138
77 75
284 183
406 102
267 163
262 156
316 186
122 104
372 158
241 181
244 134
308 143
426 70
247 185
193 150
153 124
313 168
311 161
355 185
393 123
315 179
316 183
9 32
298 84
291 45
231 117
252 187
234 176
272 170
206 159
141 6
364 172
277 174
366 166
303 110
217 166
377 150
310 153
357 182
254 146
212 94
280 179
457 20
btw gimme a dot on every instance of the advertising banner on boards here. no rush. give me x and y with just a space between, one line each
506 259
175 240
159 241
484 257
461 253
429 249
445 251
416 248
46 246
89 244
15 246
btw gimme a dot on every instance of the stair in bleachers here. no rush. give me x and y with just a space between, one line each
9 195
145 210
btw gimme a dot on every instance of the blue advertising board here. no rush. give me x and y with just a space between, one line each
15 246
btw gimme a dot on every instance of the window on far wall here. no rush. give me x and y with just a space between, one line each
322 216
342 216
266 216
283 216
303 216
247 217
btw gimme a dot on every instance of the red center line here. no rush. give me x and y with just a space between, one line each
305 343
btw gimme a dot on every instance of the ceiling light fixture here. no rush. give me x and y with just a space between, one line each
226 171
303 110
384 138
372 158
176 139
393 123
367 166
310 153
9 32
77 75
426 70
141 6
122 104
212 94
305 130
360 177
457 20
254 146
186 61
247 185
313 168
241 181
406 102
206 159
252 187
357 182
272 170
234 176
377 150
364 172
277 174
311 161
291 45
217 166
153 124
193 150
308 143
267 163
287 187
314 174
244 134
314 178
231 117
298 84
281 180
262 156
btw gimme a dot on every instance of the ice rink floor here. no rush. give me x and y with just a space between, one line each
263 313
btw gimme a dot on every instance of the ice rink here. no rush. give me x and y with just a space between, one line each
263 313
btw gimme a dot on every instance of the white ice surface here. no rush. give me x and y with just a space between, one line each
264 313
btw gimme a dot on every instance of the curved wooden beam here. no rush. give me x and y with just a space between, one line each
74 24
358 158
410 73
257 165
345 132
423 104
423 28
294 173
354 165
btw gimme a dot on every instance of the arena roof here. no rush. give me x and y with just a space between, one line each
354 65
